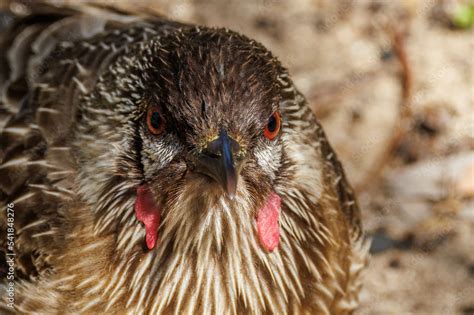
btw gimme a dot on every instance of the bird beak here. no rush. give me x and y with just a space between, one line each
218 161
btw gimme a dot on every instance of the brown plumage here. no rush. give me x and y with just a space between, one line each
97 104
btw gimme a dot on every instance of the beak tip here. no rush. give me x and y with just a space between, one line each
231 188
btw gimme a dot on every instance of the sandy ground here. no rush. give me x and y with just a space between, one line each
392 82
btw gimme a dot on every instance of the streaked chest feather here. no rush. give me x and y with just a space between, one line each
209 260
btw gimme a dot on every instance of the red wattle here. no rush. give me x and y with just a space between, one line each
268 228
148 213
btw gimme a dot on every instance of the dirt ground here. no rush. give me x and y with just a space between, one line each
393 84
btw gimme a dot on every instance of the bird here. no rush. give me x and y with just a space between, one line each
159 167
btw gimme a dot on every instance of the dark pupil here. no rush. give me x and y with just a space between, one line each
272 124
155 120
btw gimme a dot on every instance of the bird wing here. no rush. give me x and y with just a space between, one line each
48 57
343 189
24 179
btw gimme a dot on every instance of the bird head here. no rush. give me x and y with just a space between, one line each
199 134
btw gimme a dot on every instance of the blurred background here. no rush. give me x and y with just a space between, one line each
393 84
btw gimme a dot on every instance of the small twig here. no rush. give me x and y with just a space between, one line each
405 112
399 47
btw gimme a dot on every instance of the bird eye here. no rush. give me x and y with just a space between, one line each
155 121
273 126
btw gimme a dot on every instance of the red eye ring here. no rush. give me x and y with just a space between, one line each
272 128
155 121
